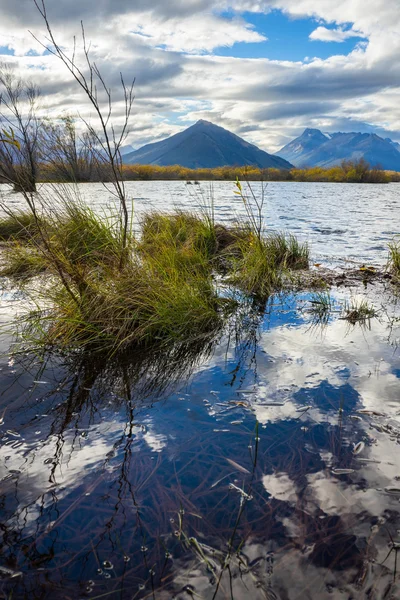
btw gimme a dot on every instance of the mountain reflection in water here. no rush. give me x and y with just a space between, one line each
227 470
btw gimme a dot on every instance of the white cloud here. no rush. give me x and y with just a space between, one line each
193 35
169 48
323 34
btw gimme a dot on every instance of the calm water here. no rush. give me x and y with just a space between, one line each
115 487
261 465
340 221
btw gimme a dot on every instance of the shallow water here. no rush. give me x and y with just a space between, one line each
244 458
342 222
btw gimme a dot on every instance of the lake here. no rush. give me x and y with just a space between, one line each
262 464
342 222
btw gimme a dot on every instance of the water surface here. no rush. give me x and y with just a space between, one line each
342 222
235 478
261 464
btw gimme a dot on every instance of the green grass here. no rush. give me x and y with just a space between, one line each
262 263
183 242
321 302
21 260
160 289
19 225
136 307
84 237
394 257
321 307
287 252
359 311
164 293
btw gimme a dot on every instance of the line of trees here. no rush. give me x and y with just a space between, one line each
347 172
32 148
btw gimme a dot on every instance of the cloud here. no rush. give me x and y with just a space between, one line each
294 109
192 35
323 34
170 48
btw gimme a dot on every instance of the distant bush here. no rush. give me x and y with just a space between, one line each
347 172
59 169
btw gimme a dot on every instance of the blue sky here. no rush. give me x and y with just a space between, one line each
287 39
6 51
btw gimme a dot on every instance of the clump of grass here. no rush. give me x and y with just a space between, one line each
321 302
264 257
22 260
18 225
287 251
359 311
394 257
82 237
255 271
163 293
179 241
187 229
321 307
109 294
263 261
138 306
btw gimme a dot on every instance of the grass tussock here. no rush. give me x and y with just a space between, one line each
22 261
321 302
322 305
18 225
84 239
109 295
179 242
133 308
162 292
263 261
394 257
359 311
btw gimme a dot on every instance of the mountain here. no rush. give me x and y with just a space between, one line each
204 145
316 149
126 150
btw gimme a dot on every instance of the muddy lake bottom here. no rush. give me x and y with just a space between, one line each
264 466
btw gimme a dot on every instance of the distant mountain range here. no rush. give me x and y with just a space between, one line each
316 149
204 145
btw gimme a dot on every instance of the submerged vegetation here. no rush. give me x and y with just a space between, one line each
359 311
355 311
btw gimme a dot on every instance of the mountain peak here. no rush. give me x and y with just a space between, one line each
205 145
309 132
314 149
204 122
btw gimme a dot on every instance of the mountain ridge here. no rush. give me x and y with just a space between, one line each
204 145
316 149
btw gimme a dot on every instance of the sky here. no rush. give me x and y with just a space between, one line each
264 69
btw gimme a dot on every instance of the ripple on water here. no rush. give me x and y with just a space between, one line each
362 212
